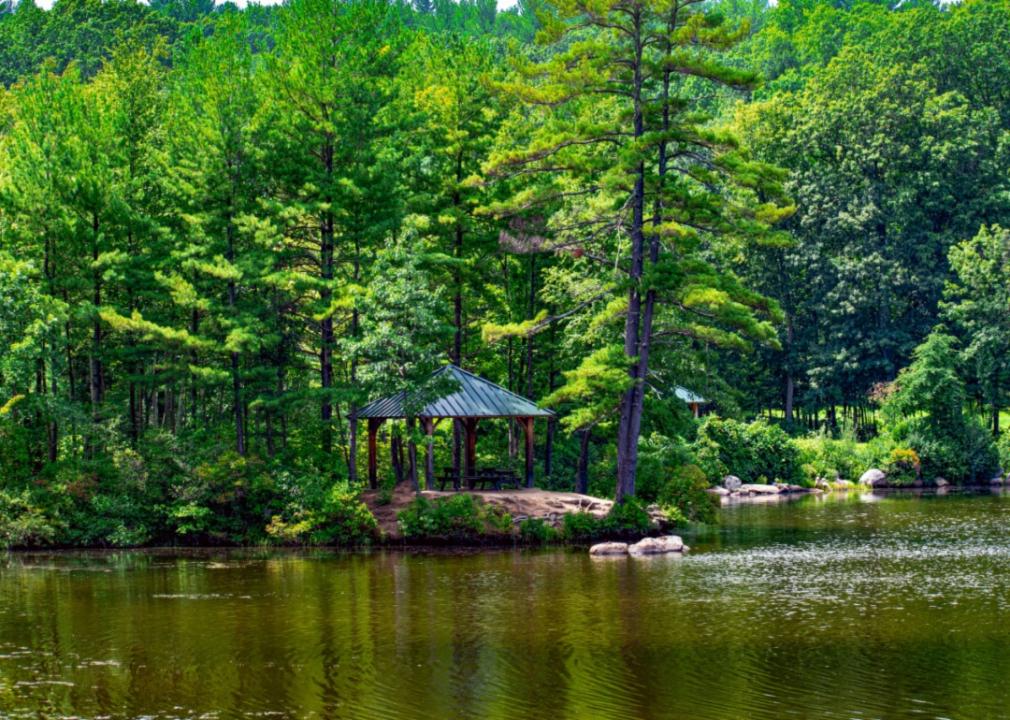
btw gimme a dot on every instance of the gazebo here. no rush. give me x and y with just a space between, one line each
475 399
693 399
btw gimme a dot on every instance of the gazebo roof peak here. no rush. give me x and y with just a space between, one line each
476 397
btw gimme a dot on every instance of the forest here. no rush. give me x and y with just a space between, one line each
224 230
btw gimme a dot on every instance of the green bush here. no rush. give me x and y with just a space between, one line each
226 500
535 531
23 523
627 518
684 496
656 455
581 527
831 458
750 452
903 467
343 520
965 457
1003 451
459 517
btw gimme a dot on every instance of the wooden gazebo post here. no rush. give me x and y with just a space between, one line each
470 448
528 426
373 429
429 453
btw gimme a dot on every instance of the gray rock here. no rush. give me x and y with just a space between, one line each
874 478
657 546
998 480
720 491
731 483
822 484
609 548
941 482
759 489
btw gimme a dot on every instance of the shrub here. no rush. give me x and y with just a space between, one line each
581 527
226 500
749 451
22 523
830 458
1003 451
343 520
903 467
684 497
627 518
537 532
656 455
459 516
967 456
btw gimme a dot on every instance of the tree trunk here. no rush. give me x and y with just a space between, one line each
326 324
582 473
637 328
412 453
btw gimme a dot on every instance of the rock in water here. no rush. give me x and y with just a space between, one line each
609 548
941 482
874 478
731 483
657 546
998 480
720 491
759 489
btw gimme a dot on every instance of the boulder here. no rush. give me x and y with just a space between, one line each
720 491
998 480
657 546
731 483
874 478
609 548
940 482
822 484
758 489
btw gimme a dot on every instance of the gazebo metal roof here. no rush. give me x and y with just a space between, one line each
688 396
475 398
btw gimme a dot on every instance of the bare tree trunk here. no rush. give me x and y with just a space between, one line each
582 473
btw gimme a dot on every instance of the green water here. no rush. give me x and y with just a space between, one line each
883 608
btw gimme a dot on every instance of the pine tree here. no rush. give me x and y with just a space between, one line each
638 179
326 86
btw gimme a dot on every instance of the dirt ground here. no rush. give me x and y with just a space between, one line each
520 504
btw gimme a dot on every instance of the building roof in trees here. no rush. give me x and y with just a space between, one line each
474 398
688 396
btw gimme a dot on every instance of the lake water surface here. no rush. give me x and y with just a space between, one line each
895 607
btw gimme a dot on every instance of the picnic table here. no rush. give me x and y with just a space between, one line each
497 478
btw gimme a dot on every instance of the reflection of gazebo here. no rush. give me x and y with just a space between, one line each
475 399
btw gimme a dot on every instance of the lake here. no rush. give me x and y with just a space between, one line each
872 607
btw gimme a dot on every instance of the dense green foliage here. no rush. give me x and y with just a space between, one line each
223 231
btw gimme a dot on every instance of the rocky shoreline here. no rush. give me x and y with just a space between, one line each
734 490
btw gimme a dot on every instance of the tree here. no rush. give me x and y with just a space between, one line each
635 177
977 301
402 338
326 86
